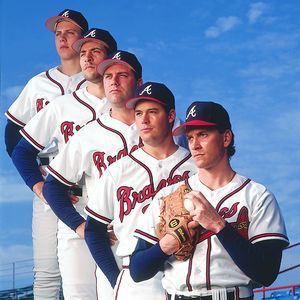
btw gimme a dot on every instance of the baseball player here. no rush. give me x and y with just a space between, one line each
239 233
128 186
60 120
98 144
68 27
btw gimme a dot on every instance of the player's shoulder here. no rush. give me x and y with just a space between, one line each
129 162
183 153
93 128
256 189
44 74
39 78
64 100
90 134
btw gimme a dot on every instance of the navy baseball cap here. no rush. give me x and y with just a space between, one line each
206 114
97 35
121 57
153 91
68 15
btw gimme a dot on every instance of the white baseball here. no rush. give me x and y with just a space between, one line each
188 204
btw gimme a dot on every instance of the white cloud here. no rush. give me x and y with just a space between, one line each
255 12
223 24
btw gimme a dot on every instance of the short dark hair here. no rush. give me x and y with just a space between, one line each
231 147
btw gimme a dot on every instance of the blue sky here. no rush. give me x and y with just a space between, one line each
243 54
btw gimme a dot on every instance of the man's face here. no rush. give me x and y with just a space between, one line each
66 34
207 146
91 55
119 83
153 122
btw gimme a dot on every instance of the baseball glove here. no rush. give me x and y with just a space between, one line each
174 219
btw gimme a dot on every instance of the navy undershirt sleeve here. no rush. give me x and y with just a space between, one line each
24 158
57 196
146 260
12 136
97 240
259 261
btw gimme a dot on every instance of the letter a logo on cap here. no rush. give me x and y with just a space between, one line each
117 56
192 112
146 89
66 14
92 33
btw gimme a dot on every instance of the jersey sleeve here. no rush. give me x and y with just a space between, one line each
22 109
101 202
69 165
41 129
266 219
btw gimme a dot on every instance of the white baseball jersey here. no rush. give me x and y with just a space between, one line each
58 122
96 146
39 91
246 205
127 188
61 119
122 194
99 144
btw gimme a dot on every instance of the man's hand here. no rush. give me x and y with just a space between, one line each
43 171
169 244
38 190
111 235
74 199
80 230
204 213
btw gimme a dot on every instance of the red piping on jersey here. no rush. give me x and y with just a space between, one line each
116 132
188 275
268 235
106 220
236 294
179 164
208 252
61 178
147 235
32 141
86 105
148 171
56 82
15 119
80 84
119 284
232 193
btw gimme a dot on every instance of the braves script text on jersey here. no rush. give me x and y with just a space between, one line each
122 194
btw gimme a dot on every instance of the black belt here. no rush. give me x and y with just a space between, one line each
230 296
45 161
76 191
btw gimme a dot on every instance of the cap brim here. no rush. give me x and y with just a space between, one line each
181 129
109 62
51 22
78 44
131 103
